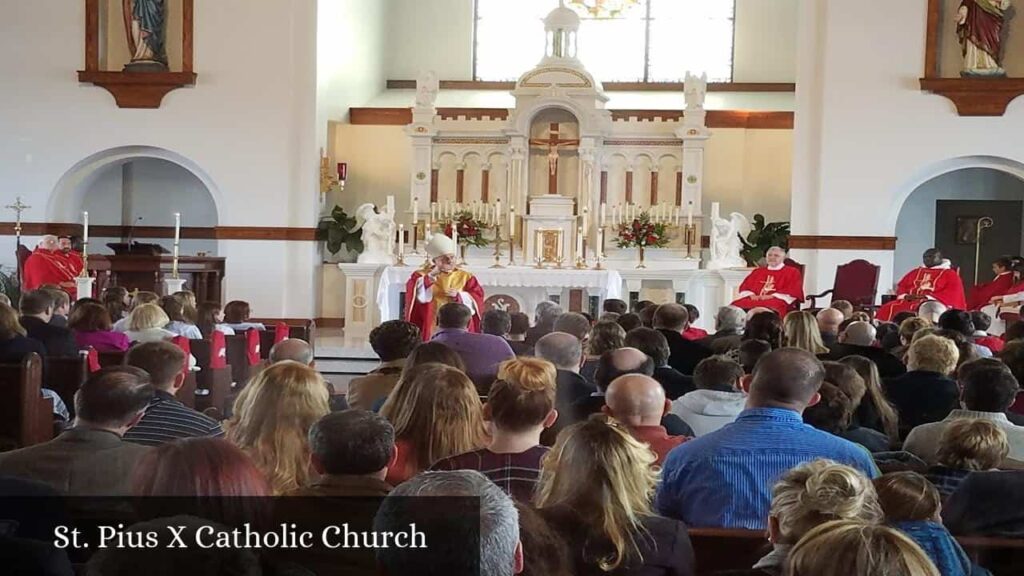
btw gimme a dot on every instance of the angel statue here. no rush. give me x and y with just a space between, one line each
726 242
378 230
695 88
427 87
979 26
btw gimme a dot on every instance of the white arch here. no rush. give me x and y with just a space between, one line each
67 196
524 117
933 171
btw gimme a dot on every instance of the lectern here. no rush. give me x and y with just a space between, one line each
138 266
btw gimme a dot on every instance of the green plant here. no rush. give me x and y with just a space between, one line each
336 231
763 236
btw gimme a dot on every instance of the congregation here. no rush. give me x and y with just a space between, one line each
594 445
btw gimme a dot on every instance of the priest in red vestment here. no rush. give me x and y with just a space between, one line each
774 286
982 294
49 265
439 283
934 280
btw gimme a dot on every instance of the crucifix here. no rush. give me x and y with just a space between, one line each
553 143
18 208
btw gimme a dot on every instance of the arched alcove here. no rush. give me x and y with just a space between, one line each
956 191
141 186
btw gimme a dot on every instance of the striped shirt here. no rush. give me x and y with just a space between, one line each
167 419
724 479
516 474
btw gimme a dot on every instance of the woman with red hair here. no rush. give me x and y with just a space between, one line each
198 467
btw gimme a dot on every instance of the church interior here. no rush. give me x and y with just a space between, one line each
339 165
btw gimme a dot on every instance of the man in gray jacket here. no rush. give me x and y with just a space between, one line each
718 398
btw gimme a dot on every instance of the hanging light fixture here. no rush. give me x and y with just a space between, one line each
602 8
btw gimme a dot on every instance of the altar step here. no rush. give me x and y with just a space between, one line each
340 360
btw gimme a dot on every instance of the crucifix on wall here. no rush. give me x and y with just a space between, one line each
553 144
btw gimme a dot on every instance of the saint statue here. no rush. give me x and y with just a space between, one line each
427 87
378 230
145 22
979 26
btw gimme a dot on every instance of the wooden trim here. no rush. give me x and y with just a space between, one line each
931 51
843 242
147 232
187 41
92 31
751 120
608 86
976 96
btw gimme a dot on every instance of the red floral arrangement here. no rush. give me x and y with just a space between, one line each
642 233
471 230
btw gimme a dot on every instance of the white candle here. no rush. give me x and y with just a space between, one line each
689 214
433 211
677 215
579 242
586 221
497 210
177 227
85 225
511 223
401 239
603 214
415 210
391 205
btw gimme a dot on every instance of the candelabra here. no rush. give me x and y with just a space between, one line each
497 247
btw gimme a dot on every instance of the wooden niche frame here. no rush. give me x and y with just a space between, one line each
136 89
972 96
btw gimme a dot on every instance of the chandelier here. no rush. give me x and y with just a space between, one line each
602 8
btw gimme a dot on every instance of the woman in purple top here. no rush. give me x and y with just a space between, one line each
92 326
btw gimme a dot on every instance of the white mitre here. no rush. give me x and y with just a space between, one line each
439 245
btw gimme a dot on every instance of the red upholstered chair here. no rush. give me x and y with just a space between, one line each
856 282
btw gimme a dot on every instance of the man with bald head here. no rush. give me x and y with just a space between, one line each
639 403
859 340
48 264
774 286
724 479
829 320
293 349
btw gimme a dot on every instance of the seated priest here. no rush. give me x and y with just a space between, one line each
774 286
982 294
934 280
438 283
48 264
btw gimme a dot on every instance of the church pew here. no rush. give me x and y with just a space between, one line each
238 360
26 418
300 328
216 382
65 375
111 359
1001 556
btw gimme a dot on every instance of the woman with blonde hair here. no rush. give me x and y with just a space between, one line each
271 420
800 330
847 547
436 414
812 494
596 488
146 324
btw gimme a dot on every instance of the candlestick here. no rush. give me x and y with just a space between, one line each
85 241
497 209
511 223
585 219
415 210
689 214
603 214
497 247
401 245
599 249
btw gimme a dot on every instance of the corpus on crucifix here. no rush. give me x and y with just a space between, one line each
553 143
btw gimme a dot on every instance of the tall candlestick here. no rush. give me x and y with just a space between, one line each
497 209
415 210
85 225
689 214
401 240
511 223
579 242
177 227
603 214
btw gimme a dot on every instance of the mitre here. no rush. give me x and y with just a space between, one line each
439 245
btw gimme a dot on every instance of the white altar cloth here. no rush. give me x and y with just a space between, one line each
607 283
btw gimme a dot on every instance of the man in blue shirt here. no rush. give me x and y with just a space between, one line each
724 479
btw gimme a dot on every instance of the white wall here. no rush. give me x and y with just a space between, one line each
866 136
438 35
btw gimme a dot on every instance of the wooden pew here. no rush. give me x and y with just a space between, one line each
111 359
215 381
238 360
26 418
301 328
65 375
1001 556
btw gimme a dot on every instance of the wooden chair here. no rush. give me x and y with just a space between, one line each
856 282
214 375
26 418
65 375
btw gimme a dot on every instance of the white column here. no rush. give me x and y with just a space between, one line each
361 313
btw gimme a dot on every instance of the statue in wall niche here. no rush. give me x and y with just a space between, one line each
378 230
427 87
979 26
145 22
725 240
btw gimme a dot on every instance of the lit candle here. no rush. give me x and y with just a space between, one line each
85 224
603 214
415 210
401 239
511 223
689 214
177 227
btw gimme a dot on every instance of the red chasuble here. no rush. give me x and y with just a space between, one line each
983 293
424 314
51 267
942 284
764 282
